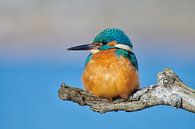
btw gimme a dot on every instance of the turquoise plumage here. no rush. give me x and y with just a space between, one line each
115 34
112 34
111 67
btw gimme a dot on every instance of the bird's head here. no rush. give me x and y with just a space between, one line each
107 39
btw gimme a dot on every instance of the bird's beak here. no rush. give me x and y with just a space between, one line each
84 47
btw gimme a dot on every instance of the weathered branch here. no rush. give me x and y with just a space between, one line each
169 90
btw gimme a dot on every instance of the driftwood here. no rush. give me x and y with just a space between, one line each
169 90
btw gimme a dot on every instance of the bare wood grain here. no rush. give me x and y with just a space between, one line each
169 90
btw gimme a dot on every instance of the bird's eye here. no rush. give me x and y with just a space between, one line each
104 42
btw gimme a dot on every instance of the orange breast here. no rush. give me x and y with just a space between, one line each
110 76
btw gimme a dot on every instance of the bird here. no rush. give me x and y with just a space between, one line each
111 68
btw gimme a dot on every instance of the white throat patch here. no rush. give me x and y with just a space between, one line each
93 51
123 46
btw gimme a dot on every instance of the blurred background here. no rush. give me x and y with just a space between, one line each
34 35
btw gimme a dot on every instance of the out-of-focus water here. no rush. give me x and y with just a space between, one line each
29 100
33 60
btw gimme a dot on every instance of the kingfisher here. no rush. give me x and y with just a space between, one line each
111 69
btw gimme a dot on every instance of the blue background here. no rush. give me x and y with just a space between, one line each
34 62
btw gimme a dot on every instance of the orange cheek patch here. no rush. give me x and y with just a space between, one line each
113 43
